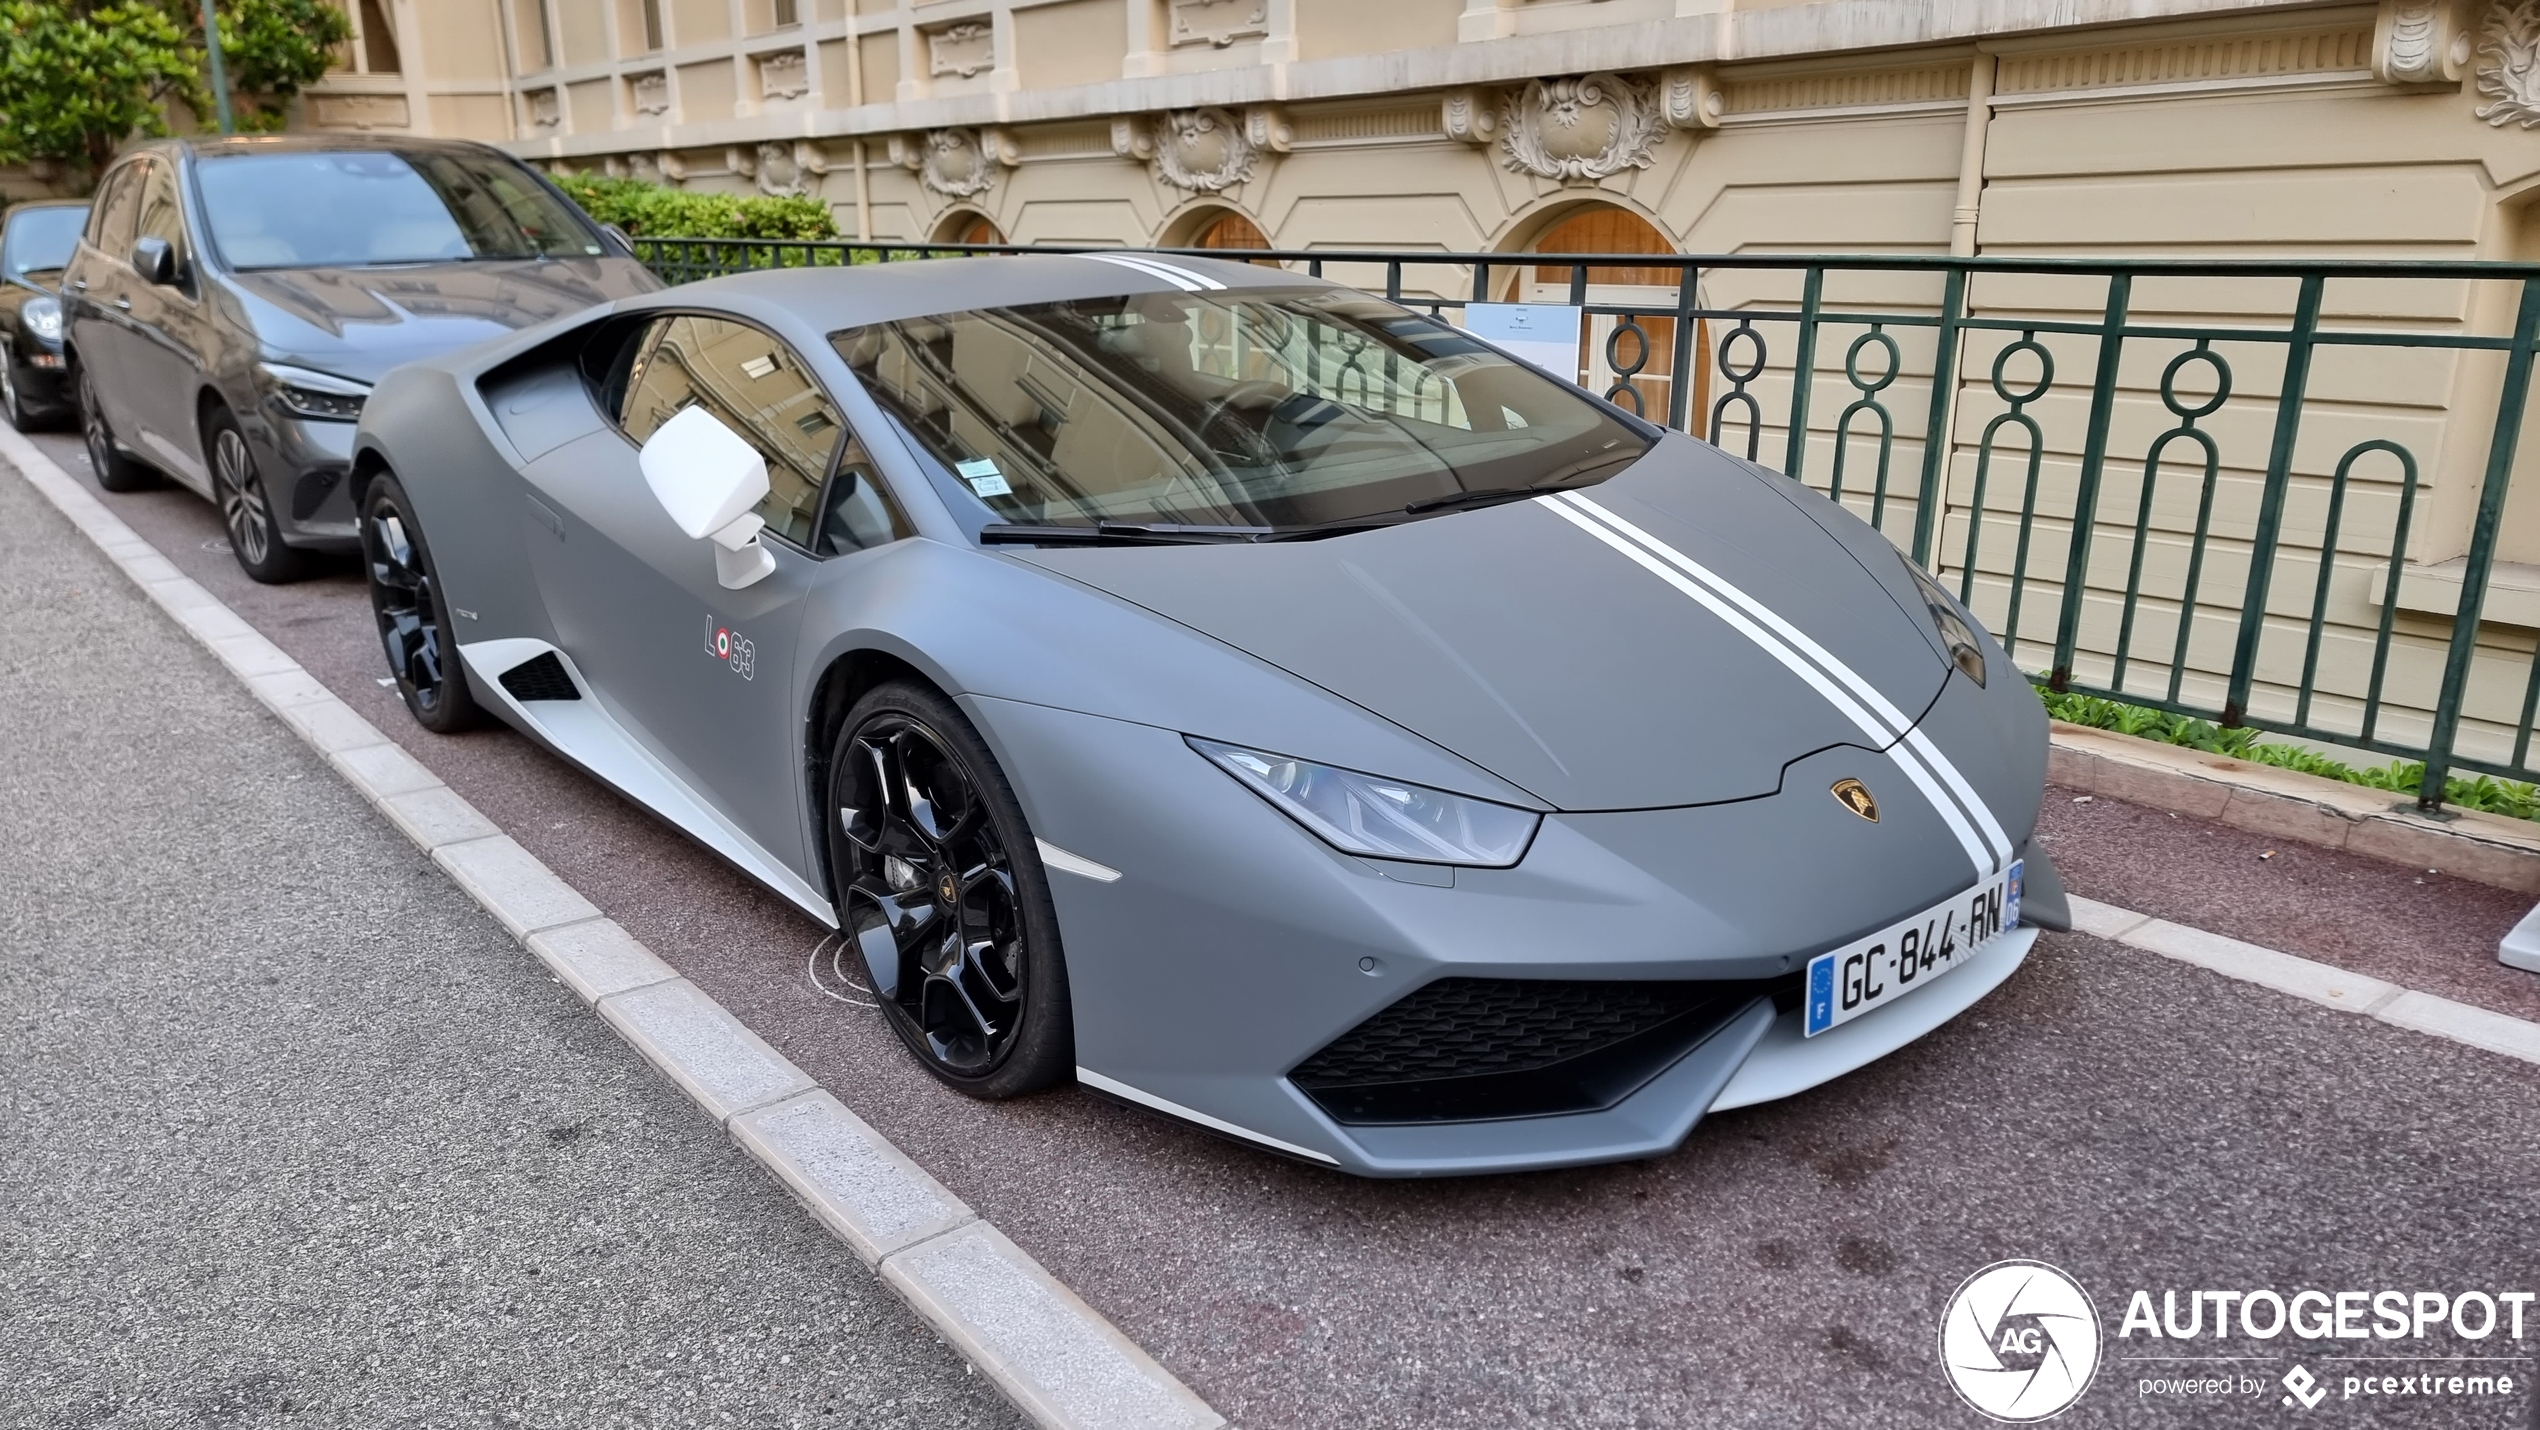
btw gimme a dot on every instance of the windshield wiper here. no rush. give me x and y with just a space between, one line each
1116 533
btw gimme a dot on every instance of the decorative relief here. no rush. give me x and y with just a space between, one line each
779 173
646 167
1691 98
543 109
2215 63
1267 129
369 111
1132 138
1469 116
1205 150
950 162
2419 42
961 50
650 92
2509 65
1356 126
1582 128
1066 141
782 75
1925 84
1219 22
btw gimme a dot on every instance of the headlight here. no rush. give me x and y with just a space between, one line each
44 318
1381 818
1957 630
319 395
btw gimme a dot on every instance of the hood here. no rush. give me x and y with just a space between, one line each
1538 652
360 322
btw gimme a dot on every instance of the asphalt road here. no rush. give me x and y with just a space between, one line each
291 1134
2137 1122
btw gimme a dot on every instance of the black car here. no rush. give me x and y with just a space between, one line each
35 242
232 300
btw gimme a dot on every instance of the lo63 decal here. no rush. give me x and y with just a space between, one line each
732 648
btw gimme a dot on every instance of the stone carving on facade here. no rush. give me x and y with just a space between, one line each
778 171
961 50
674 169
1132 138
1691 98
1267 129
650 92
2419 42
2509 64
543 109
644 166
1584 128
782 76
949 162
1205 150
1470 116
1219 22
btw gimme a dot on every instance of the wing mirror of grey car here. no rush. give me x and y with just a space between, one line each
708 479
154 260
618 236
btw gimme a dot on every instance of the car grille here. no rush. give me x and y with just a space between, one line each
1474 1049
541 677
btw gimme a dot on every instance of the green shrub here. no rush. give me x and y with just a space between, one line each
658 211
2495 796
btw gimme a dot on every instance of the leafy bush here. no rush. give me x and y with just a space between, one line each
659 211
2494 796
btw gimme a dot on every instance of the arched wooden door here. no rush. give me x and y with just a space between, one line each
1607 347
968 227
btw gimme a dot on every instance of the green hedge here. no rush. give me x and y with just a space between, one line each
658 211
2508 797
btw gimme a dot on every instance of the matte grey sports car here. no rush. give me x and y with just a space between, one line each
1234 692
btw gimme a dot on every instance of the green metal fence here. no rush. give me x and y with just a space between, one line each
2193 485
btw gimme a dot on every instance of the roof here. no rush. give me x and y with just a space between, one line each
209 145
877 292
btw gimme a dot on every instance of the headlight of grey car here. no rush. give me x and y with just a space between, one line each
304 392
1381 818
44 318
1956 632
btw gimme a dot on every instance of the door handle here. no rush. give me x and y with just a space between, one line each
125 304
80 283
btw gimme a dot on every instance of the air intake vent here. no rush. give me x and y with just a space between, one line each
541 677
1472 1049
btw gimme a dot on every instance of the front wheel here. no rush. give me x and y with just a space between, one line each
940 887
255 538
414 619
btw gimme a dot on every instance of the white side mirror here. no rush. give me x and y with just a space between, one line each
708 479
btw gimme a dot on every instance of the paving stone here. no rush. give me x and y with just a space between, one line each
847 1175
720 1064
597 958
513 886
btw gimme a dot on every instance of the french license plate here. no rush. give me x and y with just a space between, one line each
1873 972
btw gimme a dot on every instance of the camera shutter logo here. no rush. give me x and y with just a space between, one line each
2020 1341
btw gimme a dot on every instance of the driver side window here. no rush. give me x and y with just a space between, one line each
756 387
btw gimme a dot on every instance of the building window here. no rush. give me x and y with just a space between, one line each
652 24
379 40
785 13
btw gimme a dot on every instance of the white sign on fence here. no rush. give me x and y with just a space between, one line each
1545 334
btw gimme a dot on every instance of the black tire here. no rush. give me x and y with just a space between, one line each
115 471
12 401
413 615
960 938
246 508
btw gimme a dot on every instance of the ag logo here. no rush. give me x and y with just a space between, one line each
1856 797
732 648
2020 1341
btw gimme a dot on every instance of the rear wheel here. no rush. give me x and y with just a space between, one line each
941 889
115 471
255 538
414 620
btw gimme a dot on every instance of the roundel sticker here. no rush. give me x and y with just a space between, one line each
732 648
2020 1341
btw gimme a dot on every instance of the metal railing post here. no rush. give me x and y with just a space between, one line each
1944 391
1680 369
2094 456
2510 402
2288 426
1802 371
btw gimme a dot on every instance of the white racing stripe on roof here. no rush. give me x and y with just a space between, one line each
1791 660
1898 723
1181 278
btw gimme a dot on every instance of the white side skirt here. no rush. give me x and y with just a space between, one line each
594 739
1117 1088
1788 1061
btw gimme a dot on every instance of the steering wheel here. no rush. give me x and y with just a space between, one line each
1243 396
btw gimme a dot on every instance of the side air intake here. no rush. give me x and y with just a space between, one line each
541 677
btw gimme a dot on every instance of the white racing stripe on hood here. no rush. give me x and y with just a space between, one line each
1750 619
1181 278
1898 722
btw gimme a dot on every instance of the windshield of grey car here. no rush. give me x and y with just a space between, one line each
1271 408
40 240
364 208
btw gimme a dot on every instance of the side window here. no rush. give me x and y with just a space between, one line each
859 513
110 222
159 216
759 388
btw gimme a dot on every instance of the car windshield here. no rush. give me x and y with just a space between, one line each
40 240
361 208
1277 408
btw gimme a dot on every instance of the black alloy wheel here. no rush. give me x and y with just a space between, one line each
12 402
943 894
115 471
414 620
255 539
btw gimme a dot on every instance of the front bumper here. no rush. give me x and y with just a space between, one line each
42 377
307 462
1236 946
